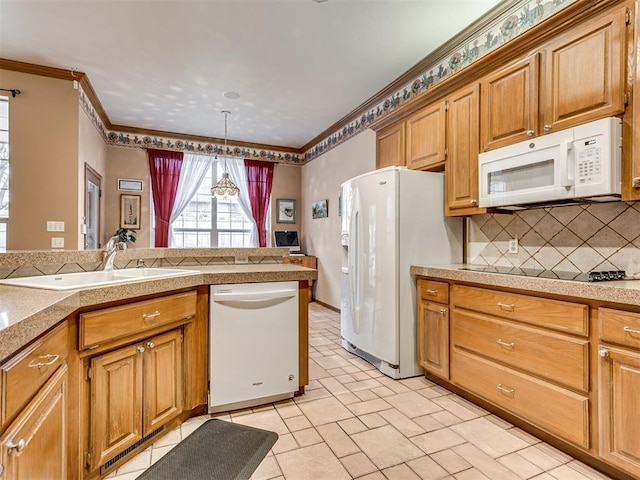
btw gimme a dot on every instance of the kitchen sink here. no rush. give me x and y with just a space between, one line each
69 281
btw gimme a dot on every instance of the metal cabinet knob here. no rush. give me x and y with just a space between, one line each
530 133
603 352
150 344
140 349
547 128
474 202
16 447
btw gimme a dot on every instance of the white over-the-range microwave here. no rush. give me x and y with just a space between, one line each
582 163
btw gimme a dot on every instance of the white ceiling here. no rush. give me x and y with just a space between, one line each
299 66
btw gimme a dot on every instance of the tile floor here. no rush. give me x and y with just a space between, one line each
354 422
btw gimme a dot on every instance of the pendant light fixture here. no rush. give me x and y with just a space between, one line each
225 188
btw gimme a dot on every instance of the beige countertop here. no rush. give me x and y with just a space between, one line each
26 313
620 291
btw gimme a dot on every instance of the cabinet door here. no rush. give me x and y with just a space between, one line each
509 104
116 403
619 391
390 146
433 338
163 392
35 444
584 73
462 161
425 131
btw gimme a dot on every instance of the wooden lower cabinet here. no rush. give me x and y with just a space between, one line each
134 390
34 446
433 328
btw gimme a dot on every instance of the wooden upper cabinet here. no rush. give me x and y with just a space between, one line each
509 104
462 163
390 146
426 138
584 77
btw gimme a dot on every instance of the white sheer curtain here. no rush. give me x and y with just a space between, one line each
194 168
238 174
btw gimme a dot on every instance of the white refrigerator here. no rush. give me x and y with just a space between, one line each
392 218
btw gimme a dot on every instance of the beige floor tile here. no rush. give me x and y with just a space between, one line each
338 440
352 425
130 476
306 437
448 403
347 398
172 438
346 378
192 424
544 476
365 395
540 457
373 476
335 372
437 440
430 393
333 361
520 465
587 471
383 391
361 376
412 404
427 469
402 423
325 410
288 410
416 383
451 461
297 423
334 386
491 439
385 446
268 420
565 472
366 384
316 371
358 464
393 385
372 420
284 444
267 469
314 394
524 436
400 472
314 462
370 406
140 462
158 452
471 474
482 462
428 423
446 418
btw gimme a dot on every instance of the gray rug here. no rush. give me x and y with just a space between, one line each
216 450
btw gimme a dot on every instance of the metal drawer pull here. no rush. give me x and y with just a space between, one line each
51 359
631 330
505 344
431 291
151 316
17 447
505 390
510 306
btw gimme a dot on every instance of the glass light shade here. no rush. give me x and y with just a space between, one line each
225 188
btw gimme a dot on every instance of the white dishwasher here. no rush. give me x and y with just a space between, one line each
253 344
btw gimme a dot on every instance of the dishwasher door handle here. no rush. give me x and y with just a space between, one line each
253 297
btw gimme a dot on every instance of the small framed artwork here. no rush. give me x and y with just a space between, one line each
319 209
131 185
130 211
286 210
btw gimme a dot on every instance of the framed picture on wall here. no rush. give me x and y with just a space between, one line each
319 209
286 210
130 211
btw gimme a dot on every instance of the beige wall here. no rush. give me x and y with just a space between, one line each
129 163
286 185
92 151
321 179
43 168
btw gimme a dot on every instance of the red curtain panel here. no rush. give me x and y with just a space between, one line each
259 179
164 167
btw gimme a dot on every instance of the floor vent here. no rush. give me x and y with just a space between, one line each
126 452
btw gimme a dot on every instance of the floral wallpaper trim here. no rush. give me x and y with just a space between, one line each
503 29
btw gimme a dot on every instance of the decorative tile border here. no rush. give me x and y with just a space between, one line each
505 28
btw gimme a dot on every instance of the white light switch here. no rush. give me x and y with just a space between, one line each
50 226
59 226
57 242
55 226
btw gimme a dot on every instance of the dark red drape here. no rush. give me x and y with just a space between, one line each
259 179
165 169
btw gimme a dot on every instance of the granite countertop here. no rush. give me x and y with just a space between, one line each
619 291
26 313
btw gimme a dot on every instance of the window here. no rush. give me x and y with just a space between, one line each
211 222
4 171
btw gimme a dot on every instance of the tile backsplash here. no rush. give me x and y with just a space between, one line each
579 238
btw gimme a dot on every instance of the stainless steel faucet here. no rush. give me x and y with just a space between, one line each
109 252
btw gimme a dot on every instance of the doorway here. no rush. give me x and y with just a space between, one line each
92 196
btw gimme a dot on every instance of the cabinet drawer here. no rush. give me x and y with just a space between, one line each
433 291
559 315
559 411
556 357
618 326
114 323
23 375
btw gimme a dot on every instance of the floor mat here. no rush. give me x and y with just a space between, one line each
216 450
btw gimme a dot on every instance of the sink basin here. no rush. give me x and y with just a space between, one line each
69 281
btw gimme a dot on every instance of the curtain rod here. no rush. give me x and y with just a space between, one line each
14 91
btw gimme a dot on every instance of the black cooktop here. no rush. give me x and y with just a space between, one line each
594 276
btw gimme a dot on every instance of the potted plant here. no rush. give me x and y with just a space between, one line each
125 235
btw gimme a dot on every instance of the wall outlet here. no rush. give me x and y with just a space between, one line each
513 245
55 226
57 242
242 260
